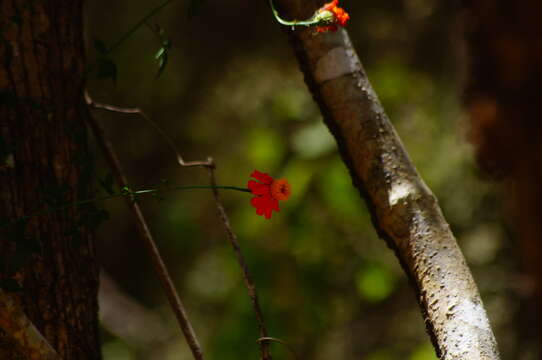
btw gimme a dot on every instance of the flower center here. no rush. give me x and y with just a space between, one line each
281 189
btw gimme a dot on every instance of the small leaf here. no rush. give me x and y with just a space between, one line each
10 285
160 53
100 46
162 57
161 65
107 69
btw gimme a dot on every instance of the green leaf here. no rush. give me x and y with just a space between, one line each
161 65
160 53
100 46
10 285
107 69
162 56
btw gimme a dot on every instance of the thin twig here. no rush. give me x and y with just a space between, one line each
309 22
137 111
210 165
263 341
128 193
22 331
287 345
159 266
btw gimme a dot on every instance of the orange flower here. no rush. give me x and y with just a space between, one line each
333 15
268 192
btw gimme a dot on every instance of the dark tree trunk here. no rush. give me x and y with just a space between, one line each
503 99
44 162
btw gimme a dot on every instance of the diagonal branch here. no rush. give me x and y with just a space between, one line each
22 332
247 278
159 266
148 119
263 340
405 213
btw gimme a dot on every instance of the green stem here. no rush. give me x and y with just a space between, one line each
138 25
309 22
147 191
121 194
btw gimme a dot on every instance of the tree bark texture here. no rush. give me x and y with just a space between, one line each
502 96
405 212
44 163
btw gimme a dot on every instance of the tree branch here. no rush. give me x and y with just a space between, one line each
159 266
263 341
148 119
404 211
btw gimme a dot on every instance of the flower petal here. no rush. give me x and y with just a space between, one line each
330 5
258 188
276 205
263 177
265 205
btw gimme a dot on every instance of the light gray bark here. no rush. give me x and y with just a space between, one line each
405 212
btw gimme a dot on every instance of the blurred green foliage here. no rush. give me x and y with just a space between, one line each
375 283
232 90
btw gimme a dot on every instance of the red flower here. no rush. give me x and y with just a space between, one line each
268 192
334 14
